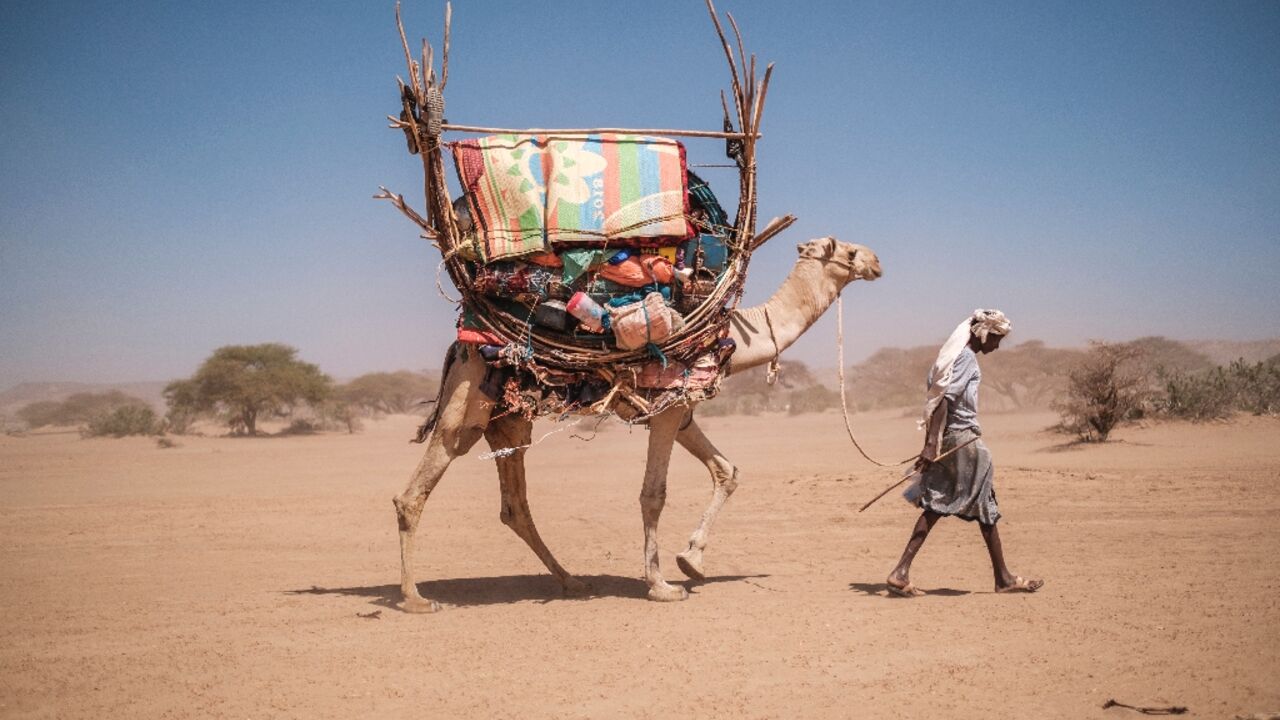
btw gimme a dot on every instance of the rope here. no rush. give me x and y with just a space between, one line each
915 470
440 286
771 372
844 405
509 451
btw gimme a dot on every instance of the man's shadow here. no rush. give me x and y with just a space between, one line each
509 589
882 590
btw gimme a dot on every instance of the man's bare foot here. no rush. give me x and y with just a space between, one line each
1021 584
902 587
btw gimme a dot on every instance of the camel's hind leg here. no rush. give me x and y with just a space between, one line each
462 415
724 479
662 435
514 432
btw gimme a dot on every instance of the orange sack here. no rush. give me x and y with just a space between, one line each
545 259
639 270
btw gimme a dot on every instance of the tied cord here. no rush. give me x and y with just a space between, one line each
509 451
844 405
771 372
650 345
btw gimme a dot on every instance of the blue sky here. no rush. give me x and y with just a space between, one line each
180 176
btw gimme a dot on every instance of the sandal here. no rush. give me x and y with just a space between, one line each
1021 584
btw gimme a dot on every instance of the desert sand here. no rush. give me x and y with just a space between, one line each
254 578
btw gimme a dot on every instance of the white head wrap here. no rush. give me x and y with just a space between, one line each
980 324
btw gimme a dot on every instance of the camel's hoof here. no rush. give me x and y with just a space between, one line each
690 563
668 593
573 587
419 605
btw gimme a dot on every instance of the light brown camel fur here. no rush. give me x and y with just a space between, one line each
824 268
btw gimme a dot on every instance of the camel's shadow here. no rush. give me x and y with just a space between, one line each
509 589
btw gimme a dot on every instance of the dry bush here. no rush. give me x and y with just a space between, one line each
814 398
1106 387
77 409
1221 391
135 419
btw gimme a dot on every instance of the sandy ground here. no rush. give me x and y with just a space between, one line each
234 578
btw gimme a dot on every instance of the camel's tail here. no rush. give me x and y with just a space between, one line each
424 430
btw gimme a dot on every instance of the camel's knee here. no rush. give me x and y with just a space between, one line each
508 516
408 510
653 501
725 476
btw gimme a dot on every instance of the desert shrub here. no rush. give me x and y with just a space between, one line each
340 415
126 420
301 426
718 406
1216 393
165 443
77 409
181 396
814 398
1199 396
1105 387
40 414
1258 386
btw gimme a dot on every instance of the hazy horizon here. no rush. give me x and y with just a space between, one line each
184 177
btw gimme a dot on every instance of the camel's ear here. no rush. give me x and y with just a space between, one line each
800 248
831 246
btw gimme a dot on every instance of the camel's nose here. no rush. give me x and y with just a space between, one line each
874 267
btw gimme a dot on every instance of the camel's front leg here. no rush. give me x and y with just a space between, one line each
463 415
513 431
724 479
662 435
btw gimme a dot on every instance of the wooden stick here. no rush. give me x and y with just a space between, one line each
408 56
733 66
774 227
444 62
398 200
914 471
749 76
428 63
587 131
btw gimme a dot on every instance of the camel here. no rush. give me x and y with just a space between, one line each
463 414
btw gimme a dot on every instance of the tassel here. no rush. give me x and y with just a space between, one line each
656 351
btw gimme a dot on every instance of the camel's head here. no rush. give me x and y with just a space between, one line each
845 261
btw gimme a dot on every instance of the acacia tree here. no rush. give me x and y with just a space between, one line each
388 392
248 382
1105 388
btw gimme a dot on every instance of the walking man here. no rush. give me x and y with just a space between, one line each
960 482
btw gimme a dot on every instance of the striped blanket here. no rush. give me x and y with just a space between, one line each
534 193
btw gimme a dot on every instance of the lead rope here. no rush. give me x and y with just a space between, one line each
844 405
771 372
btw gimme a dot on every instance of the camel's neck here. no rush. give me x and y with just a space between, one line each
795 307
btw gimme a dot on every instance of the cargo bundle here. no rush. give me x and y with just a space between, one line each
593 265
